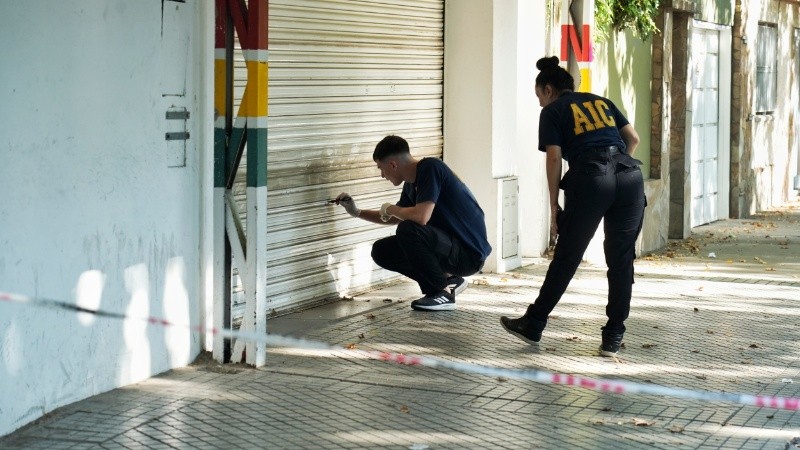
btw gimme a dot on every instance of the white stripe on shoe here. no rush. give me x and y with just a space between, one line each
441 302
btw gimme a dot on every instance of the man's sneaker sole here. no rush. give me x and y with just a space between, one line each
442 307
529 341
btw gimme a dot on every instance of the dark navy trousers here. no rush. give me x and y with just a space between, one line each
600 184
424 253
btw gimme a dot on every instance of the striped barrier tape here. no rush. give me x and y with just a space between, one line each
535 375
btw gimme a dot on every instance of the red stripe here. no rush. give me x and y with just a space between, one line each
238 11
259 24
220 23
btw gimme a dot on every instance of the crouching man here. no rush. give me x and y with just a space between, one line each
441 231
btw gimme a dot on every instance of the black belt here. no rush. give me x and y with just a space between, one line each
611 149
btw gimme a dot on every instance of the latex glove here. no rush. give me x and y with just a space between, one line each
348 203
385 216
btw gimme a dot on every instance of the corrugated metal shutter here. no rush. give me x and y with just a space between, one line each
343 74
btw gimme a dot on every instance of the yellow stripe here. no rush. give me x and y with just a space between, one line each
219 87
255 102
586 80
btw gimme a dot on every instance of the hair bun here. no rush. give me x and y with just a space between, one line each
548 62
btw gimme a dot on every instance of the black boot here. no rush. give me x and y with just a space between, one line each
612 339
526 327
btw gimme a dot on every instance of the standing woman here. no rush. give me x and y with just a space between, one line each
603 182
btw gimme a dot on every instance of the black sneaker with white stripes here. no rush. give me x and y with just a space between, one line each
456 284
443 301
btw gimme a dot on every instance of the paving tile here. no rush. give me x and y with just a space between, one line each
696 324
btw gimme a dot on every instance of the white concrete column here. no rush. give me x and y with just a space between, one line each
491 113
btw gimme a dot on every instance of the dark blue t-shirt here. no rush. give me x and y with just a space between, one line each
456 213
580 120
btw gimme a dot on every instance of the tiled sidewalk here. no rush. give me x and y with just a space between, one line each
724 323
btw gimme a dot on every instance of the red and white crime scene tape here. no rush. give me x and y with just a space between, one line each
538 376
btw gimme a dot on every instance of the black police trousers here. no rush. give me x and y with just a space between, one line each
425 253
600 184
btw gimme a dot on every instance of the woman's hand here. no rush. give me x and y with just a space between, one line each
555 211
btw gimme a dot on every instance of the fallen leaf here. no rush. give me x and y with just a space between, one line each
606 409
754 346
361 336
369 316
771 416
695 351
701 377
598 422
710 331
642 422
516 275
387 300
404 409
502 379
676 429
770 269
350 346
655 326
648 345
504 280
759 260
550 349
696 309
574 339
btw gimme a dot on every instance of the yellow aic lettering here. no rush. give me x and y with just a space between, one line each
599 112
582 123
602 107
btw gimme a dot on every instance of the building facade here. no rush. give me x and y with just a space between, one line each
118 198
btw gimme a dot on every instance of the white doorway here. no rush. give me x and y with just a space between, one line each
710 131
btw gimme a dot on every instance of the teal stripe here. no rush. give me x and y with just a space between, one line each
256 157
237 135
219 157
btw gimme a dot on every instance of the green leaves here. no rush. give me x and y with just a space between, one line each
639 16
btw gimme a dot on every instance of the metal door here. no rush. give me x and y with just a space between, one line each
704 151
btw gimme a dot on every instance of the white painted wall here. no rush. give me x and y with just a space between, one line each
491 111
532 41
92 214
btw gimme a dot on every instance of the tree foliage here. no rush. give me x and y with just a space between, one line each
639 16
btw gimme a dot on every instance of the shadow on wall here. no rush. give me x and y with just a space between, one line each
629 62
51 357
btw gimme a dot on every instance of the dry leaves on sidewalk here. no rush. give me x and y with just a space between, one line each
642 422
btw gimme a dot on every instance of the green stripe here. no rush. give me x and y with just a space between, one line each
256 157
219 157
237 134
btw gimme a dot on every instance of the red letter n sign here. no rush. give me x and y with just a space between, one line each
583 49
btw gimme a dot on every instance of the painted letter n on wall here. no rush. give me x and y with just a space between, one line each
582 49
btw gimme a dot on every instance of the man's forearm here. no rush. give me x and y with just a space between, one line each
374 216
